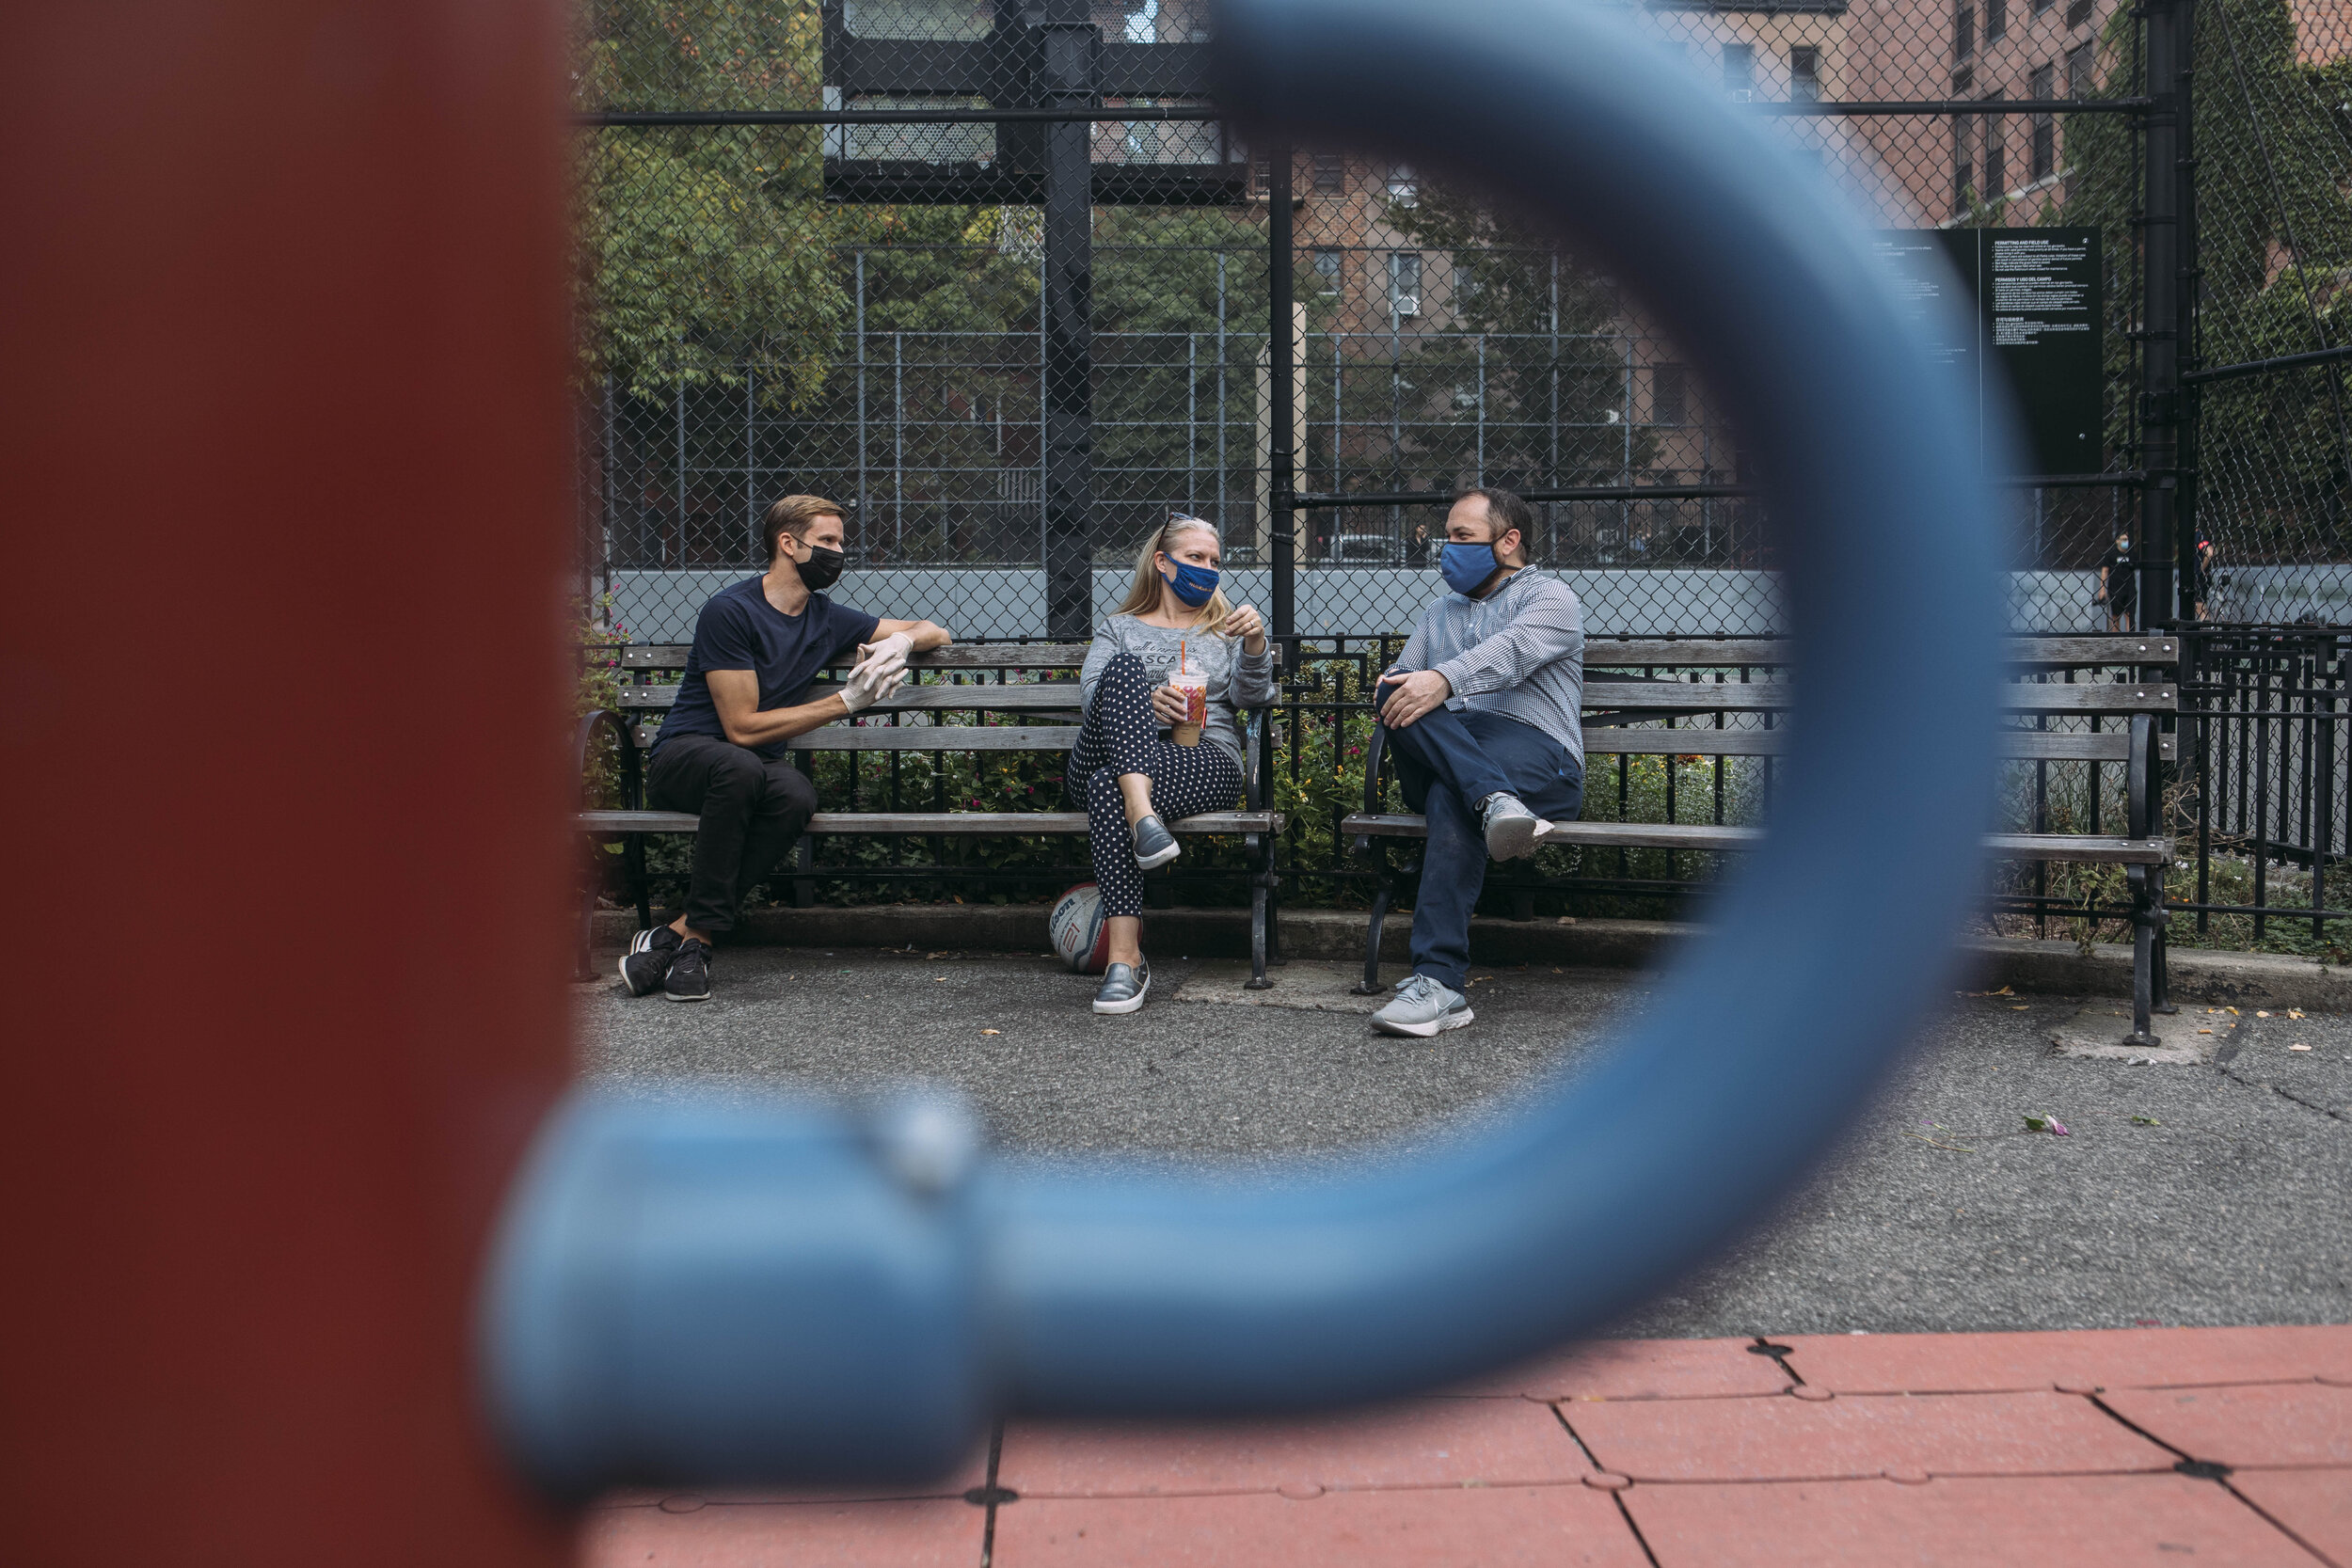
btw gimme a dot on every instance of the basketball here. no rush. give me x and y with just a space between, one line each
1080 933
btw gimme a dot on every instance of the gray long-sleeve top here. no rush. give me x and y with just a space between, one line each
1518 651
1236 679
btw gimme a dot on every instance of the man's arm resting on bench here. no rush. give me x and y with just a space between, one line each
735 695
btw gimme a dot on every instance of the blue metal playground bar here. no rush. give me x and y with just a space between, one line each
715 1290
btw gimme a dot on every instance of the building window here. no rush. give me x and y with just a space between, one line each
1326 265
1404 185
2040 6
1964 164
1805 73
1964 31
2044 126
1995 20
1330 173
1404 283
1996 154
1740 70
2080 60
2078 13
1668 395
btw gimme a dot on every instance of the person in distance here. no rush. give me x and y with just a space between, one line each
745 695
1484 714
1162 683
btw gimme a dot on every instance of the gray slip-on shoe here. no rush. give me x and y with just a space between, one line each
1123 987
1423 1006
1154 844
1513 832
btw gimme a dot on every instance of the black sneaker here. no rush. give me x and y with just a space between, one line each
689 979
647 960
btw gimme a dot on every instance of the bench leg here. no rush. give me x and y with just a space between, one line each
635 857
803 860
589 875
1261 910
2160 979
1383 890
2144 925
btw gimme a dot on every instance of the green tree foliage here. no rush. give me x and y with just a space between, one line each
703 250
2274 143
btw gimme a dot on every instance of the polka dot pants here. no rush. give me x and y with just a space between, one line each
1122 737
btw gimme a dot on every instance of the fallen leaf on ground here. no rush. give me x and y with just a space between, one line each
2146 1121
2295 1012
2045 1124
2259 1014
2204 1031
2299 1045
992 1031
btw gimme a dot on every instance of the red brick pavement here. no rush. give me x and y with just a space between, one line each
2096 1447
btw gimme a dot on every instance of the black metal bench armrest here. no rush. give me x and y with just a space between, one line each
632 776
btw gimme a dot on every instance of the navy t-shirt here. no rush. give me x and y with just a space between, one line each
739 629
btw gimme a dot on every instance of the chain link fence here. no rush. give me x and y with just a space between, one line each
1000 281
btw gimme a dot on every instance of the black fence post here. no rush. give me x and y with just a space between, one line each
2165 304
1281 366
1068 48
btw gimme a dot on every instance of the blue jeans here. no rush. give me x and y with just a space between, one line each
1447 762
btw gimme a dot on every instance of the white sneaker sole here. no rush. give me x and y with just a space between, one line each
673 996
1422 1031
1130 1005
1516 837
1154 862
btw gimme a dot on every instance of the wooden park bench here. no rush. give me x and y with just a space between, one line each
969 683
1714 705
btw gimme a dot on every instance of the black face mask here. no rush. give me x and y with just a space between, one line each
822 568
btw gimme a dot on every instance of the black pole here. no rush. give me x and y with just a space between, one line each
2165 215
1067 68
1281 361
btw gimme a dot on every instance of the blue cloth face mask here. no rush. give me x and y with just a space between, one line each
1466 565
1193 584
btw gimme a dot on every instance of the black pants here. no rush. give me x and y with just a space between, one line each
751 811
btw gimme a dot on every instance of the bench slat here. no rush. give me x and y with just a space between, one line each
1705 835
939 737
908 698
2014 745
963 823
978 656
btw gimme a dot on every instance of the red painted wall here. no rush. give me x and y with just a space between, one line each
282 442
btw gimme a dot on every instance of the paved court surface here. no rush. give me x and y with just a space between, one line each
2090 1448
2207 1194
1800 1401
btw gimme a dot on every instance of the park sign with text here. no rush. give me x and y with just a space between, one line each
2033 329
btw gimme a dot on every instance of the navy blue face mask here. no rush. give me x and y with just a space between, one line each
1193 584
1466 565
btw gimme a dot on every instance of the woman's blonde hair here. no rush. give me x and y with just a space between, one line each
1143 594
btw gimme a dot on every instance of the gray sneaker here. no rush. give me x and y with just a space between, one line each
1123 987
1423 1007
1154 844
1512 830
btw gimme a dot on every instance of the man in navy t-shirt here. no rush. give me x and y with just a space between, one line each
757 645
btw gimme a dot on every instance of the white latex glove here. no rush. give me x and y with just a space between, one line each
889 656
867 684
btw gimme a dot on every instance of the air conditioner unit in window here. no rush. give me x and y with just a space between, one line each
1742 95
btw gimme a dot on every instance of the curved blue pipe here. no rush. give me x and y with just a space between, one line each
704 1291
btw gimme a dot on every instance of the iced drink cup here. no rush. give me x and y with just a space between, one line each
1194 685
